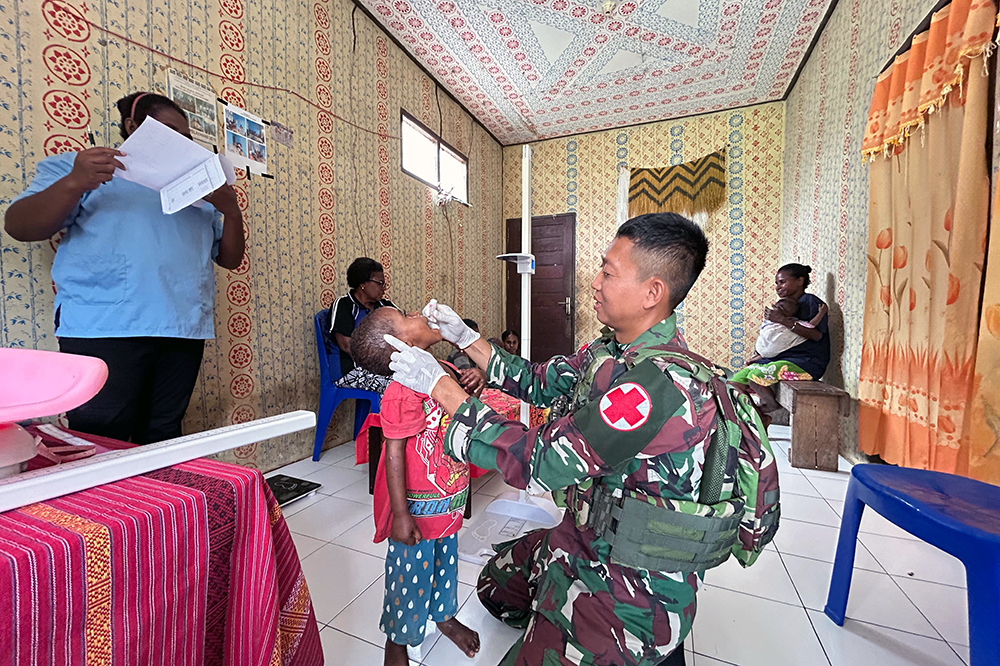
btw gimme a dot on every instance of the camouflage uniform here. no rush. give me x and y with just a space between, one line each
578 606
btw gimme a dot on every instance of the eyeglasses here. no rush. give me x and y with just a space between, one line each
380 283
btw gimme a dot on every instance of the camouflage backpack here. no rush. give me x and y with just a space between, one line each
737 509
740 467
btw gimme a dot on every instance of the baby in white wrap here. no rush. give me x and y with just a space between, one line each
775 338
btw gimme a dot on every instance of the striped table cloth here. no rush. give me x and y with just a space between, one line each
187 565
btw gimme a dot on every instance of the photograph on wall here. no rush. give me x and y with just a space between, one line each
199 103
236 145
235 123
246 140
284 135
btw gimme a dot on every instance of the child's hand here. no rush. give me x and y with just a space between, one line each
405 530
823 309
473 380
778 317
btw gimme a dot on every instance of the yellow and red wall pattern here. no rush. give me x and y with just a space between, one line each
319 68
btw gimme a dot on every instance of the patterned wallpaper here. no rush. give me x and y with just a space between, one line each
579 174
826 185
825 215
337 194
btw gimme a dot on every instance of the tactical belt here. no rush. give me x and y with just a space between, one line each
645 536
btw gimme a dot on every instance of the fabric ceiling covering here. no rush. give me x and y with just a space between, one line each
919 81
698 186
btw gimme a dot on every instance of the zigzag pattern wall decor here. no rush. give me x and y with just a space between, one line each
698 186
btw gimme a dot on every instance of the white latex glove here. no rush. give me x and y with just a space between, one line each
452 328
414 368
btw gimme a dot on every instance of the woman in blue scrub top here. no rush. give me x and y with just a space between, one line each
134 287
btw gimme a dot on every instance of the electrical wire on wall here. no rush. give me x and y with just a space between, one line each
446 199
354 136
356 127
227 79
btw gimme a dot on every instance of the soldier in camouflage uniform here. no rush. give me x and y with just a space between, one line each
576 604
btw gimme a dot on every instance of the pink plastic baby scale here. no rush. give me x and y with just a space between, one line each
34 384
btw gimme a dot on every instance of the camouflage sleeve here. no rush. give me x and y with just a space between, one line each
535 383
595 440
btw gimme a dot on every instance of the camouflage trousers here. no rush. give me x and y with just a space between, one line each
507 588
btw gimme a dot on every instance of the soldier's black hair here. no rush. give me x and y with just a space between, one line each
669 246
368 346
798 271
472 323
361 270
509 332
139 105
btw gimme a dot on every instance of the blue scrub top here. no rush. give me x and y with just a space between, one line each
127 269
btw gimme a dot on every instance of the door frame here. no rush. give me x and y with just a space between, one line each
510 273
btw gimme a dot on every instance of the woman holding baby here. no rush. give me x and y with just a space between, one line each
794 343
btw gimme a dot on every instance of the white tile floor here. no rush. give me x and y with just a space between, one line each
907 604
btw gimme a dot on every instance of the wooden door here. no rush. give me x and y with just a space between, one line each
553 286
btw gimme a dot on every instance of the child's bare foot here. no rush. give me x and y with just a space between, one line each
466 639
395 655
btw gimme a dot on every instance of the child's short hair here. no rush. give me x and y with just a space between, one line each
787 301
368 346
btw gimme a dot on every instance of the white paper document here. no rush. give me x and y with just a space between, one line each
192 186
179 169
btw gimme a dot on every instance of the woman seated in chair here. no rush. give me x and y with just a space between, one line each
366 282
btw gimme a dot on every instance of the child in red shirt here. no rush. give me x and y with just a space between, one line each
420 496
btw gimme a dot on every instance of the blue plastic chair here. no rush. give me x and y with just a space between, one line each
958 515
331 395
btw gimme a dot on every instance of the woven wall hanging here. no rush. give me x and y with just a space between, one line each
698 186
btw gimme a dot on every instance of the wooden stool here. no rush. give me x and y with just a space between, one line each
815 410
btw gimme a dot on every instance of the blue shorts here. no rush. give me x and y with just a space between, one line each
420 581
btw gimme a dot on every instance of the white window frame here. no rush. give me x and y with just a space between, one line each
442 146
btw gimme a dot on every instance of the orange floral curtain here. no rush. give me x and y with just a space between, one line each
928 210
921 80
984 458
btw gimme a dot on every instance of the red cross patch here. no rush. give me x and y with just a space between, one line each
626 407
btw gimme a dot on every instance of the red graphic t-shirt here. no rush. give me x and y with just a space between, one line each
437 485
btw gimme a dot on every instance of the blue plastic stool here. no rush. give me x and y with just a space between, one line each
331 395
958 515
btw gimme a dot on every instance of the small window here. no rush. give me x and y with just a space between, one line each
420 152
454 174
433 162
